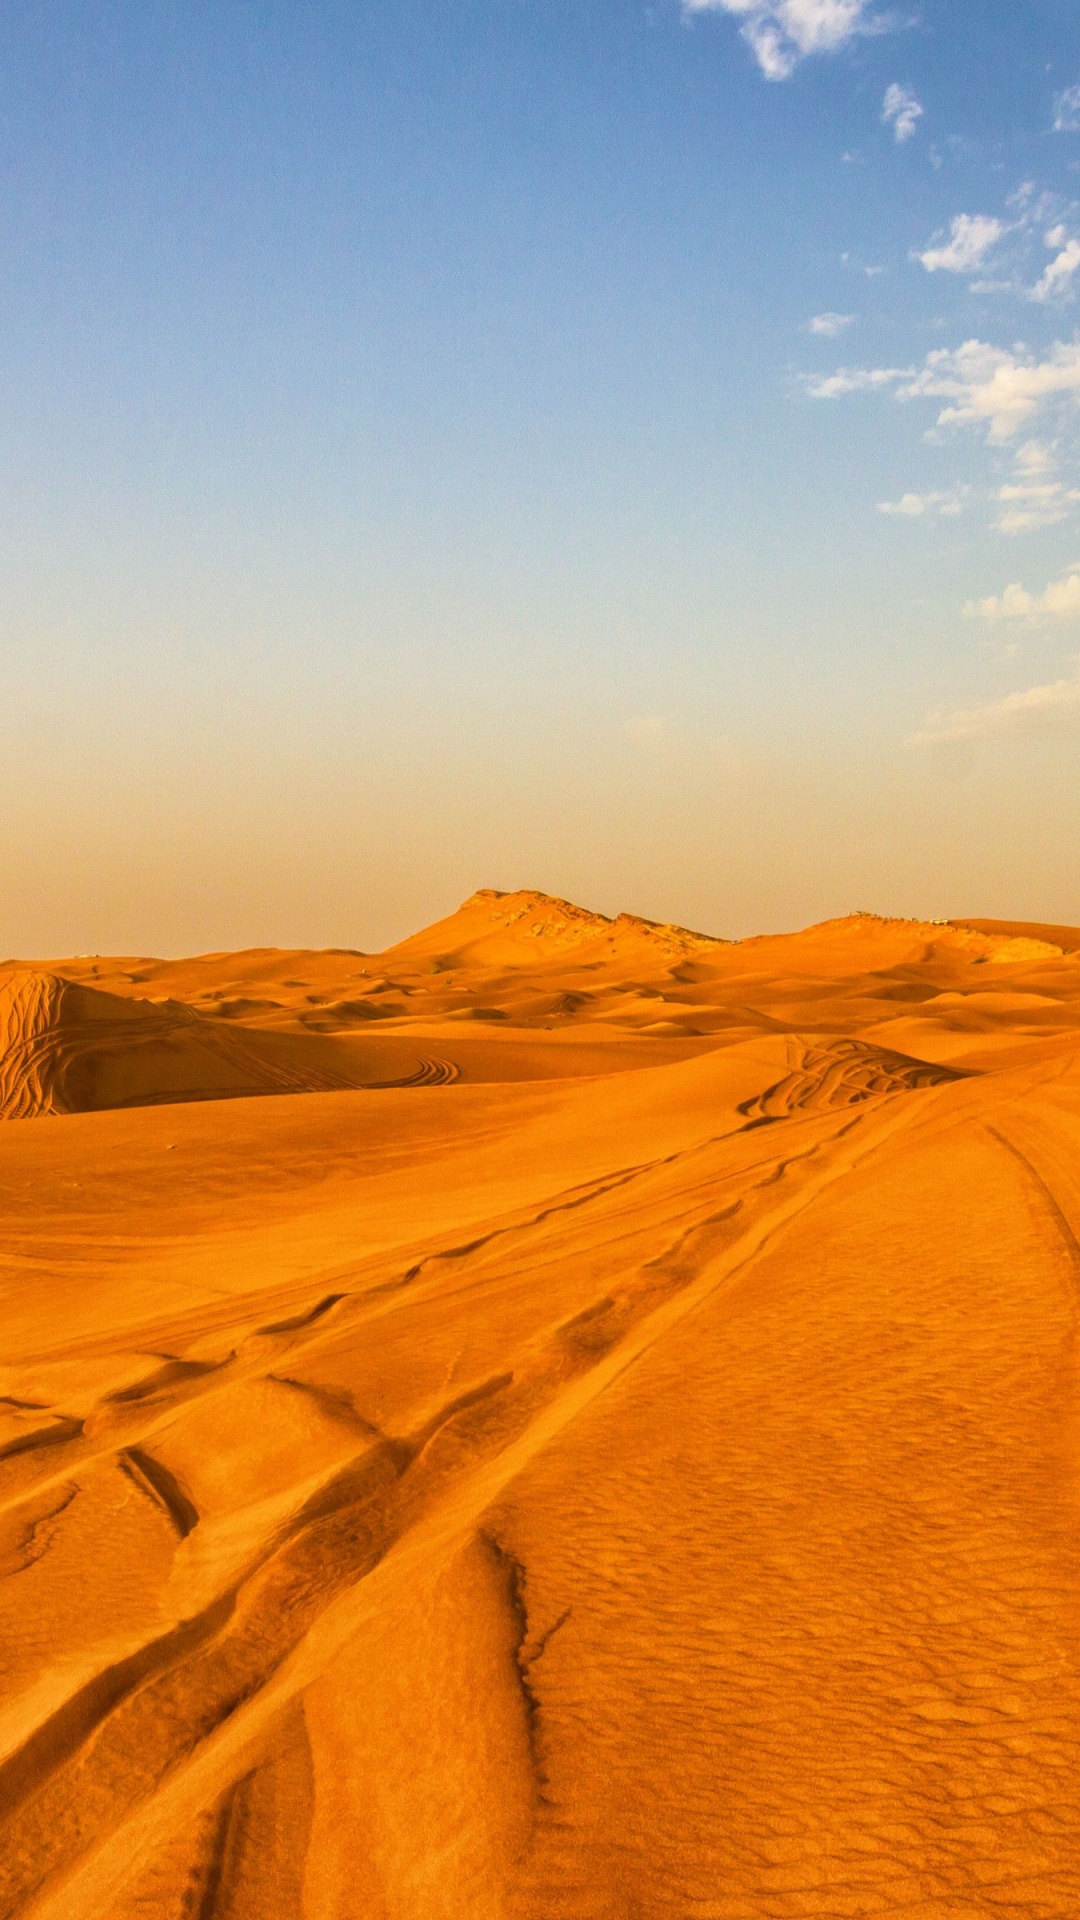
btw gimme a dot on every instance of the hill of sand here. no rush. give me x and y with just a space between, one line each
68 1048
601 1441
512 986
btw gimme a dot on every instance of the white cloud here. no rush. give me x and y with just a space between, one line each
900 111
854 380
912 506
1034 498
1058 276
985 385
971 237
989 384
1037 710
830 325
1028 506
783 32
1059 601
1067 111
1036 457
1015 603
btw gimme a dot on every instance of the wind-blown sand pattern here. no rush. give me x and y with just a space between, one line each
65 1048
600 1441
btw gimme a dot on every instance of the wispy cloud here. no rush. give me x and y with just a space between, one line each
1035 497
1004 389
1026 503
1056 282
996 254
1027 506
830 325
992 386
901 111
1036 457
914 506
854 380
1058 601
1054 708
783 32
971 237
1067 111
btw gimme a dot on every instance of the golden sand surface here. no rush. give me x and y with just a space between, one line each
564 1417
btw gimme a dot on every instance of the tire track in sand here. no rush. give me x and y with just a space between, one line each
402 1563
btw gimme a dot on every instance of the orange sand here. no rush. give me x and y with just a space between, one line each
600 1441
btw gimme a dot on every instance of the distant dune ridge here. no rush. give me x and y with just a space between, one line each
86 1035
599 1444
515 928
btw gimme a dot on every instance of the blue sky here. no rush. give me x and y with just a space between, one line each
626 449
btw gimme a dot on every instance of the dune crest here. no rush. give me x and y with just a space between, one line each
519 928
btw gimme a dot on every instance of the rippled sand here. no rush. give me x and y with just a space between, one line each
606 1448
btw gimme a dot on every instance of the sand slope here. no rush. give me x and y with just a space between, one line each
66 1048
645 1490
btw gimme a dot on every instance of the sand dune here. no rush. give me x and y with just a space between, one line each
609 1453
66 1048
511 986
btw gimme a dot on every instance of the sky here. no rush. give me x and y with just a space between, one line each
631 450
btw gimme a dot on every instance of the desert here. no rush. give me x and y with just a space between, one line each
564 1416
539 960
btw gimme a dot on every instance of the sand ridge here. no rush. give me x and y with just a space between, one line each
511 986
624 1469
69 1048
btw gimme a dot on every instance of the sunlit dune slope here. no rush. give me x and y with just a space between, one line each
626 1473
529 929
1067 938
65 1048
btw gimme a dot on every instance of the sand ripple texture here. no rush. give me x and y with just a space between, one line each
645 1487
